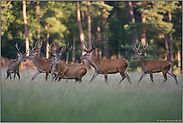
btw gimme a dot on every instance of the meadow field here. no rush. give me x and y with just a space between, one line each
38 100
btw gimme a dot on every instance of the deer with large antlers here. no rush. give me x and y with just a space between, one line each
152 66
105 66
13 65
66 71
41 65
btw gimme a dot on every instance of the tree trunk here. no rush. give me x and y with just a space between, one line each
119 43
166 48
73 51
47 42
143 34
132 20
179 58
81 32
26 32
106 45
38 23
170 39
89 24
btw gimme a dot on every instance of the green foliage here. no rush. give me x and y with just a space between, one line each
58 20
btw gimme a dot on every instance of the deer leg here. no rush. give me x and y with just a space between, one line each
93 77
80 80
47 75
52 76
8 74
151 75
127 76
10 77
14 76
141 77
60 76
18 76
173 75
106 77
123 77
36 74
165 77
76 80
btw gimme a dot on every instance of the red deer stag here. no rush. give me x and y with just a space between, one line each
105 66
67 71
152 66
13 65
41 65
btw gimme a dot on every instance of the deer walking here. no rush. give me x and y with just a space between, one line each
105 66
41 65
66 71
13 65
153 66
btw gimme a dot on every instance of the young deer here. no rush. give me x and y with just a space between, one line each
106 66
42 65
152 66
67 71
13 65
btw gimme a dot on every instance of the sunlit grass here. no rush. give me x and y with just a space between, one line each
45 101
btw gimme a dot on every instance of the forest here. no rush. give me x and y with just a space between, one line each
122 23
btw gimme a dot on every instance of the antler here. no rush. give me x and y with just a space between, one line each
137 49
98 41
39 47
144 47
18 48
50 50
66 48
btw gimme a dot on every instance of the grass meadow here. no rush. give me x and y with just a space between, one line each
38 100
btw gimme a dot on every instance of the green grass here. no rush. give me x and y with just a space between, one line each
56 102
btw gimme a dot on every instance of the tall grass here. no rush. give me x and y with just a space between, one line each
43 101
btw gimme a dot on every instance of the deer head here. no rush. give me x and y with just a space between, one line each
21 57
138 52
34 51
89 51
64 49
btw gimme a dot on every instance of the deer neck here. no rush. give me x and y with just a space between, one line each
141 61
16 63
94 61
36 61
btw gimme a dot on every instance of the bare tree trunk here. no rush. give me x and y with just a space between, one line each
81 32
166 48
26 32
143 34
38 22
106 45
73 51
119 43
47 42
171 46
179 58
89 24
132 20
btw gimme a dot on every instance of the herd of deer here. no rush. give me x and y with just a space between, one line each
60 70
